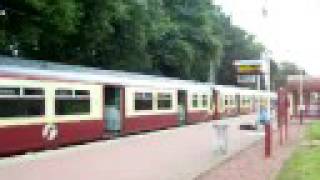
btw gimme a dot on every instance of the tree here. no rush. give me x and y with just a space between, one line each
238 45
36 27
179 38
192 42
284 70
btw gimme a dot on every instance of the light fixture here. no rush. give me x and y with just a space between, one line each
2 12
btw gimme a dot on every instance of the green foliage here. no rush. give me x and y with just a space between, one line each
282 71
178 38
39 28
238 45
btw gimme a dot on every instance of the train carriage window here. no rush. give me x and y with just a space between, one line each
231 100
164 101
63 92
82 92
204 100
9 91
226 100
244 101
247 101
143 101
195 100
14 105
33 91
67 104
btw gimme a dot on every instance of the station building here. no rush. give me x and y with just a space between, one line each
307 90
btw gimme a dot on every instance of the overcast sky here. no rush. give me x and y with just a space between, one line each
291 30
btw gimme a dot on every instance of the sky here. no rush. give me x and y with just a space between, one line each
291 30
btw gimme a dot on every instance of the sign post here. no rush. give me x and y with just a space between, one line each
268 127
249 72
248 69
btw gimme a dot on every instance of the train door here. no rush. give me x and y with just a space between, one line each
182 107
238 103
217 102
112 112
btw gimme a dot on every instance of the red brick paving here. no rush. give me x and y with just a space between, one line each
250 164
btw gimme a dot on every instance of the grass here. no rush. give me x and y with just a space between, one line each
313 133
304 163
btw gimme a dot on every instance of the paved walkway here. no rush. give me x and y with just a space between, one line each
250 164
181 153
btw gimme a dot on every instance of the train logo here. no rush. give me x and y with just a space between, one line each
50 132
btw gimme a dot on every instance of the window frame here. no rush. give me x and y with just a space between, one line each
64 95
135 99
11 95
82 95
170 99
204 105
195 100
226 100
22 96
72 97
231 100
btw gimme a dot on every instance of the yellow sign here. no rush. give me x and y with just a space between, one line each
249 68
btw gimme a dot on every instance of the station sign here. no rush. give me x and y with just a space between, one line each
249 67
246 79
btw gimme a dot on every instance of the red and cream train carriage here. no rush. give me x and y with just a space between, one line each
247 104
201 105
46 106
37 114
227 100
233 101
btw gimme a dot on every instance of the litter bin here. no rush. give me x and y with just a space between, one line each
221 140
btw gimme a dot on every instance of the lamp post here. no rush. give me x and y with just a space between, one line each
267 62
268 82
268 122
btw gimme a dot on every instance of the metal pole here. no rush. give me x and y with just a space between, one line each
268 127
301 106
268 137
212 73
258 101
268 85
286 117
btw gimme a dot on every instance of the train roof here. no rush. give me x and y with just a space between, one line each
54 70
43 69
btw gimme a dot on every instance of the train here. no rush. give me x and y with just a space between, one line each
45 105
